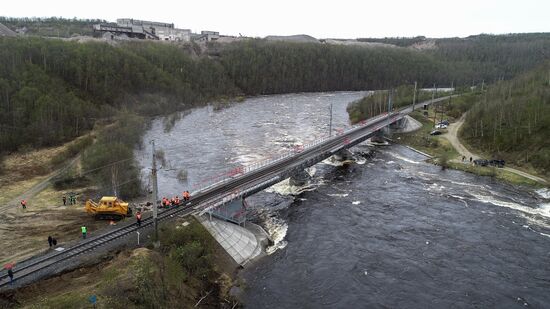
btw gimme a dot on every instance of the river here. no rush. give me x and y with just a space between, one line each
388 231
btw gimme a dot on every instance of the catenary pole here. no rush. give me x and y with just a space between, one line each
330 122
435 107
155 190
414 96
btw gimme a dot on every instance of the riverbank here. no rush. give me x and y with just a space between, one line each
89 166
442 149
452 137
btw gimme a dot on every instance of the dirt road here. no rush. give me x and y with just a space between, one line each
39 187
452 137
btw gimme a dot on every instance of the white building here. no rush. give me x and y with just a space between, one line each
163 31
207 36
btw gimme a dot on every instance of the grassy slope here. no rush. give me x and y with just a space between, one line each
421 139
512 122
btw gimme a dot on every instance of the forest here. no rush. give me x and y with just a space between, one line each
52 26
377 102
511 121
53 90
398 41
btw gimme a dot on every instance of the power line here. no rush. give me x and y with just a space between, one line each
104 166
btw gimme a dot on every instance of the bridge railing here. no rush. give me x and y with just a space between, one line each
244 169
241 170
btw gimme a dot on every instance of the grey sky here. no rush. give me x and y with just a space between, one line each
321 18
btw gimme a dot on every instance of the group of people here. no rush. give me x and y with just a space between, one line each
166 203
175 201
52 241
71 200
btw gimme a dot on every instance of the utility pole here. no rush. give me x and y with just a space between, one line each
390 94
452 92
414 95
390 98
330 123
155 190
433 98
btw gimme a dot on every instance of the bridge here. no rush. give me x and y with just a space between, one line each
247 180
238 184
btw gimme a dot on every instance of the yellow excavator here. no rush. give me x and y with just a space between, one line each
108 208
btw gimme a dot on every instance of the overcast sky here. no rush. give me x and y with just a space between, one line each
321 18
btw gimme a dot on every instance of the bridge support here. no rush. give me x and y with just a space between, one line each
343 155
399 124
299 178
234 211
242 244
378 137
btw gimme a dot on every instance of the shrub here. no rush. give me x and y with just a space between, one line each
182 176
443 161
69 181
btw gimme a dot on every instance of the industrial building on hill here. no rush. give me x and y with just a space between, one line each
142 29
206 36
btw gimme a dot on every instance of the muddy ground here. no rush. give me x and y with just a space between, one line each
24 233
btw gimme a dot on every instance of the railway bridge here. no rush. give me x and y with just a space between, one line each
238 184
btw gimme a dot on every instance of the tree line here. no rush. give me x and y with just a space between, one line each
511 120
52 91
52 26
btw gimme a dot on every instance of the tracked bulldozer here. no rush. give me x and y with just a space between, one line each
108 208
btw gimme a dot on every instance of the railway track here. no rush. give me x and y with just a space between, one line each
201 200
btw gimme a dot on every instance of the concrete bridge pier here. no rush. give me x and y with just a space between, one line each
343 155
300 178
399 124
242 244
379 135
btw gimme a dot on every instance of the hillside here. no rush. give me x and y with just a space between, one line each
513 120
52 91
298 38
480 57
52 26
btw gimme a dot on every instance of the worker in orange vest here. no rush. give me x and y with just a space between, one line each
138 218
186 195
24 204
177 200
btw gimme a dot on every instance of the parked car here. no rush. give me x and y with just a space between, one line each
497 163
481 162
435 132
440 126
445 122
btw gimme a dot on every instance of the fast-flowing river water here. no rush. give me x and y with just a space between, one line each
389 230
